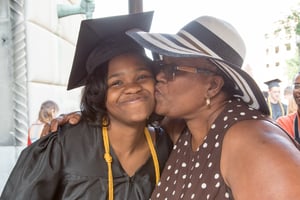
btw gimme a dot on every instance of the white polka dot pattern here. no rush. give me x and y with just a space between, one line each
196 174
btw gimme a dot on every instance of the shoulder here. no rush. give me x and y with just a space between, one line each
254 152
158 134
173 127
257 133
163 144
68 130
82 132
161 138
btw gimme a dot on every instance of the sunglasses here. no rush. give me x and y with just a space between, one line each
170 70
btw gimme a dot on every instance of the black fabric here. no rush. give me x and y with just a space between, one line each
69 165
273 83
296 130
109 48
277 110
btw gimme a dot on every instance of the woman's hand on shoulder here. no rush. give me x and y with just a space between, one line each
257 154
71 118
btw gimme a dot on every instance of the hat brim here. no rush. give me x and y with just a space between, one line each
175 46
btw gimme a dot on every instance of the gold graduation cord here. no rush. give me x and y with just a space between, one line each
153 154
270 108
108 159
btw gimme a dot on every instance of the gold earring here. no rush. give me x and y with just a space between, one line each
208 102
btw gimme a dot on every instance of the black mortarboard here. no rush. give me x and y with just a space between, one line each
101 39
273 83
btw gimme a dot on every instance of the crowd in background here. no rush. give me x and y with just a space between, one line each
285 111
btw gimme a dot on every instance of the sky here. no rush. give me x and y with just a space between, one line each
252 18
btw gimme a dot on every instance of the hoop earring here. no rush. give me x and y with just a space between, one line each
208 102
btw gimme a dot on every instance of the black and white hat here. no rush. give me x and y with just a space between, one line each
216 40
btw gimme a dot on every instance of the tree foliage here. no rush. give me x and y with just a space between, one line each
291 26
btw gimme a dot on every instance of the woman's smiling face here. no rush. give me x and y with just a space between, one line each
130 94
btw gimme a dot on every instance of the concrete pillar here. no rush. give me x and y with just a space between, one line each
135 6
6 76
13 76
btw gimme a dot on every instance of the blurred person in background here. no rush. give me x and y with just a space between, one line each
292 106
290 123
48 111
288 99
287 94
276 107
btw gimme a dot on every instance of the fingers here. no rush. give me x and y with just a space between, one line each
45 130
54 125
74 118
60 120
71 118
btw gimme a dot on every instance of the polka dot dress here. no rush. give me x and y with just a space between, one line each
196 174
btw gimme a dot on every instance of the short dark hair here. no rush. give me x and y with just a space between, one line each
93 99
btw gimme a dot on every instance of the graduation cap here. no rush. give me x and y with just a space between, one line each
273 83
101 39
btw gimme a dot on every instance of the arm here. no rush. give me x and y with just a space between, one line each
36 174
261 162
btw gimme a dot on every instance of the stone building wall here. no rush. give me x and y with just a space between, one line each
36 52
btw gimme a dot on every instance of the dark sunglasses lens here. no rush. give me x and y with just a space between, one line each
157 66
169 72
167 69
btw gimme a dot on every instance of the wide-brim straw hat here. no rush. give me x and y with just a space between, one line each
216 40
101 39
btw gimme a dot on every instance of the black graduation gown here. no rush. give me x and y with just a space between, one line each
69 165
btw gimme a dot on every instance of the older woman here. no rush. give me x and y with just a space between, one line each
230 149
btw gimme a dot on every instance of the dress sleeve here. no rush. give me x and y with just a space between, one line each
36 174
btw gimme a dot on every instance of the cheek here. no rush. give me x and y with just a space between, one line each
182 94
192 94
192 88
152 96
150 87
296 94
111 98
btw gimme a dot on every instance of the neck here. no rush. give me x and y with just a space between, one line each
129 144
200 125
274 101
126 139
